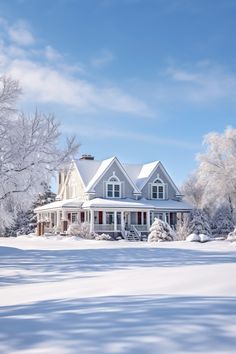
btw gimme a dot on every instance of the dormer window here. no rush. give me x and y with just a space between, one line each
158 189
113 187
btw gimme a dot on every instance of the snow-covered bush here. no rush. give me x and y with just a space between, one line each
82 230
161 231
74 229
232 236
198 238
103 237
222 223
193 238
199 223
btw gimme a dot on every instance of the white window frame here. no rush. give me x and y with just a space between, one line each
157 184
113 181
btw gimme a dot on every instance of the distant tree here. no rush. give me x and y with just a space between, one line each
29 153
161 231
222 223
25 221
217 169
199 223
194 191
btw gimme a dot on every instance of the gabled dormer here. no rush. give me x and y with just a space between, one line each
112 181
155 183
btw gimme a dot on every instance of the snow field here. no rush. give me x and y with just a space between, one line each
62 295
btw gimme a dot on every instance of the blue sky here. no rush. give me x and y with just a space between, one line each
140 79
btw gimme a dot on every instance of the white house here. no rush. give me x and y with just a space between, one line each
112 197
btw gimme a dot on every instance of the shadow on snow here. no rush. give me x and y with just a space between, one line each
122 324
32 266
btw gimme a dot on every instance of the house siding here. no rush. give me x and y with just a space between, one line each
74 187
126 187
146 191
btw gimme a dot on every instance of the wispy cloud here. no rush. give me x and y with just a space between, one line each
103 58
46 76
20 33
151 139
202 83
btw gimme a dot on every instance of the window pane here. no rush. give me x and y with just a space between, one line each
117 190
110 190
161 192
110 218
109 194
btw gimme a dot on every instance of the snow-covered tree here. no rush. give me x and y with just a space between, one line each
193 191
217 169
199 223
29 153
182 227
25 221
161 231
221 222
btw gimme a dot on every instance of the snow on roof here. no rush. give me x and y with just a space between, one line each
116 203
87 169
137 204
67 203
140 173
91 170
101 169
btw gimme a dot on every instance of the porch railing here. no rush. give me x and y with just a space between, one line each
106 227
140 227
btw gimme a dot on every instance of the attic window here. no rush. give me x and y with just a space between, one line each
113 187
158 189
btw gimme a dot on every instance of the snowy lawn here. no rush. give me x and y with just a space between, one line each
87 297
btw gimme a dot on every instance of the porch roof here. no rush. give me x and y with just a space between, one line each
137 204
67 203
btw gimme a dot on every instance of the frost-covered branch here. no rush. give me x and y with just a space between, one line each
30 152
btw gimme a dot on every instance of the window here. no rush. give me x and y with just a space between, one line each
113 187
109 218
74 217
158 189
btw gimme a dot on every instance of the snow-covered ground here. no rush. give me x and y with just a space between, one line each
87 297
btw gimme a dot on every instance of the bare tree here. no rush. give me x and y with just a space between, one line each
29 152
194 191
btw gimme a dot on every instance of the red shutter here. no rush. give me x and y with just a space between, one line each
100 217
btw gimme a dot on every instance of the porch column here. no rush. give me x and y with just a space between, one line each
58 219
148 220
91 220
115 220
122 221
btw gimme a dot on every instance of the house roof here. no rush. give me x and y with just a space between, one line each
138 175
67 203
141 173
138 204
91 171
118 204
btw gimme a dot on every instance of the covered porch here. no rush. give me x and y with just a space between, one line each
57 216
